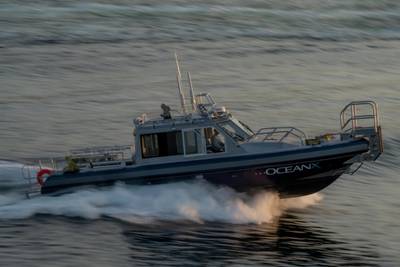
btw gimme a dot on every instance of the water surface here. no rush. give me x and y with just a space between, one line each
75 74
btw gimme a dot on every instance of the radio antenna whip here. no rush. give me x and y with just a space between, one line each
178 79
192 97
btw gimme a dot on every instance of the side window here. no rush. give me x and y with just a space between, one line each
192 139
215 142
149 143
161 144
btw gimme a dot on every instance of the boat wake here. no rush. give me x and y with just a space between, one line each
11 175
196 201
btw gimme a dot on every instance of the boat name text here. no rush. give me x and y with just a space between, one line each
292 169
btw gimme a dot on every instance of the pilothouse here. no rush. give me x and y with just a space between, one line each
205 141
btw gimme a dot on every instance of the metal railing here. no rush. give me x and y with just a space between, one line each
279 134
351 116
86 159
101 156
360 119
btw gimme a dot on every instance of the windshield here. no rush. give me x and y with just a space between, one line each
236 130
244 127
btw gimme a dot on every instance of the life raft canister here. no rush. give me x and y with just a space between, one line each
40 175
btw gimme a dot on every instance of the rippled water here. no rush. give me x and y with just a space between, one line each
75 73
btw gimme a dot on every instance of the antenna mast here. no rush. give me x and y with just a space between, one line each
178 79
192 98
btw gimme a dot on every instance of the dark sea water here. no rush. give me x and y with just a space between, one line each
75 73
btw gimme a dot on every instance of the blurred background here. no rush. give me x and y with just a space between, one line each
76 73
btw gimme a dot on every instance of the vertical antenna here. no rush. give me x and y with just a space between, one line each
178 79
192 99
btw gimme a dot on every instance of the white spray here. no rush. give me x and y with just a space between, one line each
198 202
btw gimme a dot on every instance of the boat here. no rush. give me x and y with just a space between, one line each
203 140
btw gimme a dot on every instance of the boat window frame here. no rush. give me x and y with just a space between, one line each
238 131
244 127
202 144
142 136
225 140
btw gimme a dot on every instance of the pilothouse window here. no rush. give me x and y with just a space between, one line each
236 130
162 144
149 145
193 143
215 142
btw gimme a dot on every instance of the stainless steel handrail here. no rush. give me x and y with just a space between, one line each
371 131
355 117
286 131
102 156
99 150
